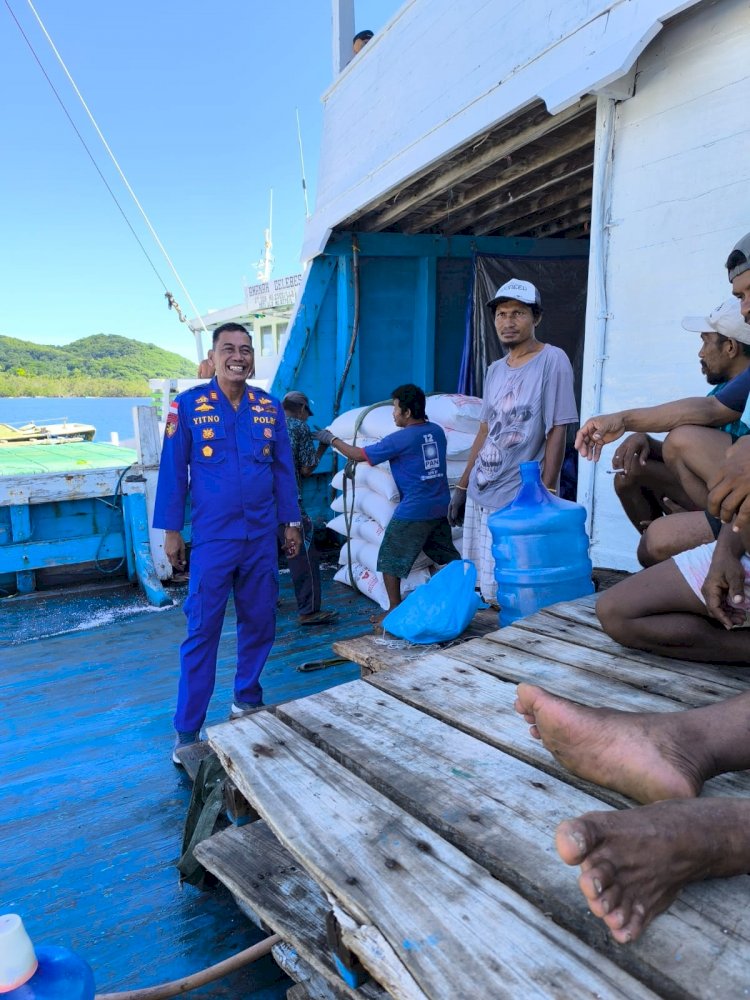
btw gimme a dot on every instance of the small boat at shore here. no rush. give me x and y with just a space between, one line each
46 433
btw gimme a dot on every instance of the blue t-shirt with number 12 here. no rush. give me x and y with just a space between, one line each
417 457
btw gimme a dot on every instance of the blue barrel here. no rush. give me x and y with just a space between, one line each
60 975
541 549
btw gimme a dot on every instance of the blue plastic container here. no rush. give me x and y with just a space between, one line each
541 549
60 975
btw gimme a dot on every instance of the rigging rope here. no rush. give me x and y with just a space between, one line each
170 298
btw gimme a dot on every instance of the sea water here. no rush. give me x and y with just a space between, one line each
107 413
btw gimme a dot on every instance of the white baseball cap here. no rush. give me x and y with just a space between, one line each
725 319
521 291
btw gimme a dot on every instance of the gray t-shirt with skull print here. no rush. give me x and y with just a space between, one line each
520 408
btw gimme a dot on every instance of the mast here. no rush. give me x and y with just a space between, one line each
265 264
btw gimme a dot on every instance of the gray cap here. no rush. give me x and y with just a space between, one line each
521 291
296 399
738 260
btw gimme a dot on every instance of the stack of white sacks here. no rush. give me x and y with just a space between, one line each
365 507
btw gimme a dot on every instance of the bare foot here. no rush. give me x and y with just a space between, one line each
646 756
634 862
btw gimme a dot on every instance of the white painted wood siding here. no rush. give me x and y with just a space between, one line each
441 72
679 201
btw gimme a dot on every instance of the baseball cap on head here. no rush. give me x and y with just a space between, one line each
521 291
738 260
725 319
297 398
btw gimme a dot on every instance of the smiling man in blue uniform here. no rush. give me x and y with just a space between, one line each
227 445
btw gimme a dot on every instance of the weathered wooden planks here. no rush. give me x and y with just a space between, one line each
255 867
502 813
456 930
480 703
581 628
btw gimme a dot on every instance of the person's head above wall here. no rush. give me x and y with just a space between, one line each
360 40
297 404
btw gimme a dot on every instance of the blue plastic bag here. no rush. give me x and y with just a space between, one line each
440 609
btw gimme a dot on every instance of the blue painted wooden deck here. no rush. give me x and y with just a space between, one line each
92 807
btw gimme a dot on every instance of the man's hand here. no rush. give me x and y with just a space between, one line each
323 435
729 492
174 549
292 541
634 450
598 431
206 369
456 507
724 588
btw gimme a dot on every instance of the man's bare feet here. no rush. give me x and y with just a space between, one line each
634 862
646 756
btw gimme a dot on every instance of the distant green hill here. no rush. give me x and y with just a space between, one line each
99 365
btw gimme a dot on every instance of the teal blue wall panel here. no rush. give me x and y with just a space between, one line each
413 293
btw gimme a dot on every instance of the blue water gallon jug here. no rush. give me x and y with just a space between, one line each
541 549
44 973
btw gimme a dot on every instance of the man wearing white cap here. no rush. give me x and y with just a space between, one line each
528 401
648 485
695 451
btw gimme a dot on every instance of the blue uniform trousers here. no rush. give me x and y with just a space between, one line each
250 569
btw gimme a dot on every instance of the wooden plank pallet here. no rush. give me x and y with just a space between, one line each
415 805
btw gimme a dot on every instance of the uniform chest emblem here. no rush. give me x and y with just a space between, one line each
258 409
203 408
213 395
207 433
265 400
267 432
267 449
207 451
202 399
251 396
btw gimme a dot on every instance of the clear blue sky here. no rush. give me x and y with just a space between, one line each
197 102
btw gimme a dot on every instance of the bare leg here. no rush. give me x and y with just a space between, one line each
392 589
646 755
667 536
641 490
657 611
635 862
694 455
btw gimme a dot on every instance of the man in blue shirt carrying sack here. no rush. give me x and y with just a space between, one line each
416 453
231 441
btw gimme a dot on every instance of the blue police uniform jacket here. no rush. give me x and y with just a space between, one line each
237 466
